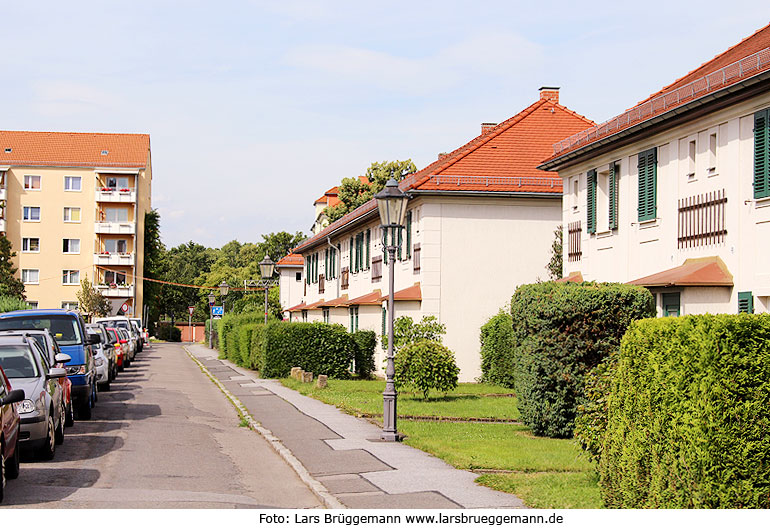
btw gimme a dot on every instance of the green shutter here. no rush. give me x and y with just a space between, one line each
368 248
745 302
400 240
350 249
307 270
351 319
613 185
648 176
384 246
384 318
409 234
591 208
761 154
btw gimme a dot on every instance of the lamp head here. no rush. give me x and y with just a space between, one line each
266 267
391 202
224 288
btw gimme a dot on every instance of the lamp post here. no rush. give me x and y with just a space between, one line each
212 300
223 290
266 268
391 203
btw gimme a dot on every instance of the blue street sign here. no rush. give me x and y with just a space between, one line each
217 310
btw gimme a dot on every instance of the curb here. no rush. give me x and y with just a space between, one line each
323 494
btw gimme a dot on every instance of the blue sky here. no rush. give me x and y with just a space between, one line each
255 108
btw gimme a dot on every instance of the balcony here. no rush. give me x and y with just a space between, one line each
114 290
116 195
115 227
114 259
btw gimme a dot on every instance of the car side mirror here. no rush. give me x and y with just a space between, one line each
56 373
94 339
63 358
17 395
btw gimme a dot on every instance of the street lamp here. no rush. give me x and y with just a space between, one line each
391 202
266 268
223 289
212 300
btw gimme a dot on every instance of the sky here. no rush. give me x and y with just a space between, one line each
255 108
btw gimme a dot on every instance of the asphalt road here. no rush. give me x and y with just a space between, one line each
163 437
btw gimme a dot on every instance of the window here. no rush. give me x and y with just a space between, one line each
712 153
30 245
72 183
30 276
71 246
31 213
298 276
115 277
304 316
745 302
32 182
117 183
575 198
70 277
648 177
69 305
353 319
670 303
326 315
376 269
116 246
32 305
691 151
72 214
115 215
762 154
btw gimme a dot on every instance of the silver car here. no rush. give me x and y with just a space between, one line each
42 415
104 357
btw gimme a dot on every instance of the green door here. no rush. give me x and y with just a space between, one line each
671 304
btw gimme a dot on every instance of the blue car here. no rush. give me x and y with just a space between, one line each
69 330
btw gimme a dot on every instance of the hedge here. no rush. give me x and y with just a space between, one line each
316 347
166 332
560 332
366 342
689 415
497 350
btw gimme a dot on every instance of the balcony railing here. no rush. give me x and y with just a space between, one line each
116 290
115 227
124 259
116 195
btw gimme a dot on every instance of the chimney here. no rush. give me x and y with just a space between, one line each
549 93
486 126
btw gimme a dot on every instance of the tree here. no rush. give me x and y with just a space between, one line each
91 300
9 284
353 193
155 265
555 264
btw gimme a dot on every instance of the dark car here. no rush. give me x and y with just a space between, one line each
9 431
69 331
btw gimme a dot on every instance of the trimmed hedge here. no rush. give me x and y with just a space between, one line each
497 350
689 415
366 342
560 332
316 347
166 332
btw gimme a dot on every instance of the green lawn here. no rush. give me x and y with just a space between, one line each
545 473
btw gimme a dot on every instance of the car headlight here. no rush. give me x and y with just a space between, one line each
75 369
25 406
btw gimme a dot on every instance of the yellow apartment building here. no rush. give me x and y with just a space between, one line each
73 207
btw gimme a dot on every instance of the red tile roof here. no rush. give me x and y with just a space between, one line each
370 299
412 293
291 260
503 158
746 59
314 306
708 271
339 302
33 148
298 307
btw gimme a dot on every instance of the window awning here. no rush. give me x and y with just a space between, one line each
314 306
412 293
572 277
370 299
336 303
298 307
709 271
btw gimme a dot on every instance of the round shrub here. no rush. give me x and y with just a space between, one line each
426 365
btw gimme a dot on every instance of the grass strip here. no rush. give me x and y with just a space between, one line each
549 490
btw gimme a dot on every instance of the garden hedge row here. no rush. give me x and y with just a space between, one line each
497 350
560 332
689 415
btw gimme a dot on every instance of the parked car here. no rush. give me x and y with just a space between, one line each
42 412
69 331
9 431
128 344
55 359
123 323
114 338
104 357
137 323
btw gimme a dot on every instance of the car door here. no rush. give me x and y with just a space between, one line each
52 385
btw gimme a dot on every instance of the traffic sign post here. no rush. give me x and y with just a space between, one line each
217 311
190 329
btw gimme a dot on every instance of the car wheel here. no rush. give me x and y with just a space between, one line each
69 417
84 411
104 386
48 450
126 363
59 433
12 466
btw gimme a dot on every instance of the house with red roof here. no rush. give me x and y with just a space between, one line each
329 199
480 222
674 193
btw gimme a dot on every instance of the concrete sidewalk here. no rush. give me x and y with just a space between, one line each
341 456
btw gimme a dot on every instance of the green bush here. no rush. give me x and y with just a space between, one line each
9 303
254 360
366 342
316 347
228 332
166 332
689 415
591 419
560 332
426 365
497 350
406 331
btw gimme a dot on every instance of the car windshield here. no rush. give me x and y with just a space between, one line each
63 328
115 324
17 362
97 330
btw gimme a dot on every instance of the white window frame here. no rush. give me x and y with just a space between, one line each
33 305
117 246
69 273
69 245
69 305
26 273
39 181
25 247
114 275
73 178
116 209
70 210
30 220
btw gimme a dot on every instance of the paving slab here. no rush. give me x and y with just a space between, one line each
347 483
413 500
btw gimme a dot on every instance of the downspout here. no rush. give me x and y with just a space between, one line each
338 272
